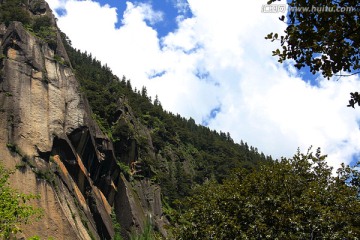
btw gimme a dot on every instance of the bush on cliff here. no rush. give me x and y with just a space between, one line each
14 207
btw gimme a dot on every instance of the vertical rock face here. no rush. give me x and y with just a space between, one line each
42 98
46 130
40 104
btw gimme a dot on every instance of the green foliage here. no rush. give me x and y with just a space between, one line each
41 22
14 10
14 207
37 6
325 41
122 130
84 221
20 166
168 211
60 60
147 234
117 236
43 28
25 159
101 123
116 224
46 175
38 238
125 169
35 238
294 198
13 148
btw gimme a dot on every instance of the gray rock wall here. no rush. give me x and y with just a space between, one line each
64 157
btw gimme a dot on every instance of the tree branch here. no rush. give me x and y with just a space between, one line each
346 75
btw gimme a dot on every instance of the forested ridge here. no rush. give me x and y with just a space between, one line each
236 192
213 154
211 186
248 195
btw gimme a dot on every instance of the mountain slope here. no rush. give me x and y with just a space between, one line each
97 152
48 134
181 146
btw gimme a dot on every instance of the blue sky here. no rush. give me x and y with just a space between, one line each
209 60
168 7
170 13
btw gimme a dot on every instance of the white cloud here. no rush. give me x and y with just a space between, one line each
182 6
141 12
219 57
55 4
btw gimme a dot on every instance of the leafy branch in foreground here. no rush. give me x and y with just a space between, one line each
14 207
295 198
323 35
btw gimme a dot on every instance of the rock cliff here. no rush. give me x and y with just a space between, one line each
48 134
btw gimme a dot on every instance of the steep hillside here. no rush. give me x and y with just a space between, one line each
99 153
48 134
184 153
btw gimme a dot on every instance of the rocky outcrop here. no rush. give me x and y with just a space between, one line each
47 132
138 200
41 104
